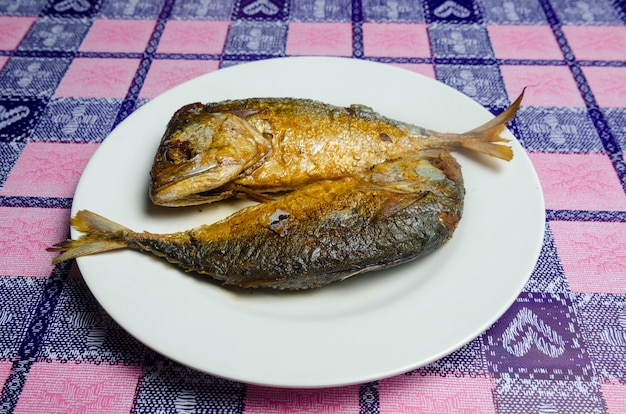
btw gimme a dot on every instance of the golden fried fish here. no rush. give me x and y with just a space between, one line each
254 147
320 233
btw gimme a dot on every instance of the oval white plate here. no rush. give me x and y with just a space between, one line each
369 327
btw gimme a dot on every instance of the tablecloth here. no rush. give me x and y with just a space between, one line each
71 70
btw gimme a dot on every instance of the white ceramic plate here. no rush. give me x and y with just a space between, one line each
369 327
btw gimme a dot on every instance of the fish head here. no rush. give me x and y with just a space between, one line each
200 153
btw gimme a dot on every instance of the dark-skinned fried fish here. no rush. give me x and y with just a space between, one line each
322 232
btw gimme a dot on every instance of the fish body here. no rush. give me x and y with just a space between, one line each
320 233
259 146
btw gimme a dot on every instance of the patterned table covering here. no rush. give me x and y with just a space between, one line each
71 70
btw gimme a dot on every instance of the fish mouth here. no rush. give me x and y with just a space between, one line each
195 188
200 153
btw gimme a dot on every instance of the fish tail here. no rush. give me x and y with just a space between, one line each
101 235
486 138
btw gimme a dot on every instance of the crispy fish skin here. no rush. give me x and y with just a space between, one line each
258 146
324 232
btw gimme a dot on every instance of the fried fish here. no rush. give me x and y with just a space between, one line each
255 147
322 232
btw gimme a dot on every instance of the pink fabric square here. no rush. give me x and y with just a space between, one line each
615 397
425 69
330 39
312 401
98 78
579 182
593 255
13 30
433 394
193 36
547 85
79 388
597 42
165 74
608 85
118 36
3 61
48 169
26 234
5 370
396 39
524 42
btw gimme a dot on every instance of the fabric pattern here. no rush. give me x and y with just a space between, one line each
71 70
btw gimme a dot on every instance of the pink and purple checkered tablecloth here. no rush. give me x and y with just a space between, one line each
71 70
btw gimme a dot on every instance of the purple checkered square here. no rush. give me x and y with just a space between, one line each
123 9
261 9
72 8
174 388
451 41
557 129
18 116
55 34
325 10
457 11
19 297
392 11
77 120
256 38
596 12
80 330
603 326
524 396
513 12
481 83
22 7
537 338
203 9
26 76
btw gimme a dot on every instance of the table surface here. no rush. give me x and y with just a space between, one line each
71 70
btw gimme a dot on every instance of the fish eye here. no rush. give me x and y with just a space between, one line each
178 152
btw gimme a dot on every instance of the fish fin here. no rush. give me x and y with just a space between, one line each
396 204
243 113
101 235
241 191
358 272
486 137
